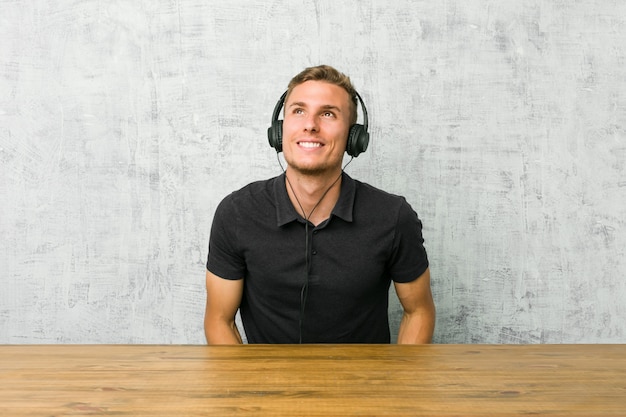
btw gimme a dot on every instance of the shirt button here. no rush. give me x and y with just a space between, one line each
314 252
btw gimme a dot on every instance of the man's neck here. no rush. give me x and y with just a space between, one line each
313 196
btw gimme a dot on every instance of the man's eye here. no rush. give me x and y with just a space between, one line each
329 114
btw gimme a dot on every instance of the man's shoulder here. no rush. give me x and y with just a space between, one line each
368 191
252 191
247 201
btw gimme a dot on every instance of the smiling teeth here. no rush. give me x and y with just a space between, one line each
310 144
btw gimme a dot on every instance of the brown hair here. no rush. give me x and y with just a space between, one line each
330 75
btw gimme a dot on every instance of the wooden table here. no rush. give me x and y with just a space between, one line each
323 380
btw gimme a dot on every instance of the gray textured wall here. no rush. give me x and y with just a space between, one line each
124 123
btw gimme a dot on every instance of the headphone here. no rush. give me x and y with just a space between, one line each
358 137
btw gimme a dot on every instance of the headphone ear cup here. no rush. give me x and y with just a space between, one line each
275 135
358 139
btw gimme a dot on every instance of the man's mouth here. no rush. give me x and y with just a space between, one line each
310 144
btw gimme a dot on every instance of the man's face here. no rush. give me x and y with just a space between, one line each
315 127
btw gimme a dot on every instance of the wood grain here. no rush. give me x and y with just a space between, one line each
433 380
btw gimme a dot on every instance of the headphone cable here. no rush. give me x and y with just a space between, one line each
305 287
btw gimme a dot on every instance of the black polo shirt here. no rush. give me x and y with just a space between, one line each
371 238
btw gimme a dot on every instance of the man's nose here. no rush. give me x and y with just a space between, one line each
311 124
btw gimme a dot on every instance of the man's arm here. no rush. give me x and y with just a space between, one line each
418 321
222 302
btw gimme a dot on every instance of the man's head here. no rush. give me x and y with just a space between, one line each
319 111
358 137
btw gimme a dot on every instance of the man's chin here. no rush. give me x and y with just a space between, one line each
309 170
314 168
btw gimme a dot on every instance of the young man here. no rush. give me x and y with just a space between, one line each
308 256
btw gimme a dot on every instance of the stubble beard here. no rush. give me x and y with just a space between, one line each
319 170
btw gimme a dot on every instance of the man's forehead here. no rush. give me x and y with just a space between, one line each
320 93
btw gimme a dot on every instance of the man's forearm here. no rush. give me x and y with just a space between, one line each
221 333
417 328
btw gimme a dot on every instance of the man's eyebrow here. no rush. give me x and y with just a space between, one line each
324 107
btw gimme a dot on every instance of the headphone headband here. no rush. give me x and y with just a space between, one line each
363 109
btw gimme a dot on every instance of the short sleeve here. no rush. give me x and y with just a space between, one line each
225 258
409 259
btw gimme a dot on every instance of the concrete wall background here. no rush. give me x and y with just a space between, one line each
124 123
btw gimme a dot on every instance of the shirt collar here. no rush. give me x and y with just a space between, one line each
286 213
